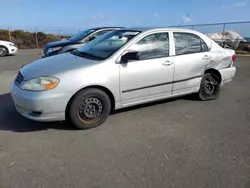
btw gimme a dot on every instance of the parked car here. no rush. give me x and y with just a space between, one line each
123 68
7 48
75 41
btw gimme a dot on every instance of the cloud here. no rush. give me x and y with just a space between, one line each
156 15
187 19
98 19
104 23
241 4
14 2
93 16
238 4
98 15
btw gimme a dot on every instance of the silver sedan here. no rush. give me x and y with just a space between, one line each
122 68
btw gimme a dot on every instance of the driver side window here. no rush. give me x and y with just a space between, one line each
152 46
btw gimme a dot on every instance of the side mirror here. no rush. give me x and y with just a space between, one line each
90 39
130 56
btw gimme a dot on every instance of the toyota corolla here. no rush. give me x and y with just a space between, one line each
122 68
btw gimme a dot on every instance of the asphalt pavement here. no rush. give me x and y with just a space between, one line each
177 143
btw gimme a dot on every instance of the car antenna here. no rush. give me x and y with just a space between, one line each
184 19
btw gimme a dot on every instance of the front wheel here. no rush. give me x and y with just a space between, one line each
3 51
210 87
89 108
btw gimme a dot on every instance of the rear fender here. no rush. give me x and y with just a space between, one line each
226 58
227 74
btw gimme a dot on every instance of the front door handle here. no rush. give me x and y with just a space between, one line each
205 57
167 63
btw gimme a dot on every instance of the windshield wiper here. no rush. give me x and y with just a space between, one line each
87 55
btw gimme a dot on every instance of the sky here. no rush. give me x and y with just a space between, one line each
76 14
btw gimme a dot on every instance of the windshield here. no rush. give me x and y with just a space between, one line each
81 35
108 44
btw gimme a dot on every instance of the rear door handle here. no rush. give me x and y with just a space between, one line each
167 63
205 57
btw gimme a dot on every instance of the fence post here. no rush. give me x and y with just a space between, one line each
59 34
37 45
223 33
9 35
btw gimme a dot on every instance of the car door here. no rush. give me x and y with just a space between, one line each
192 56
151 76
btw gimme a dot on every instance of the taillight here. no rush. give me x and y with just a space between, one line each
234 57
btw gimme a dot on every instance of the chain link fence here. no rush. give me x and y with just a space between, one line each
37 38
234 35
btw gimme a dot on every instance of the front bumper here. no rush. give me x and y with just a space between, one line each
13 50
44 106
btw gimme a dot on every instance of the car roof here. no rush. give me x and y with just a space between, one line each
99 28
144 29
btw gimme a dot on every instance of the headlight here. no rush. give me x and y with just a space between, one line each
40 84
12 44
54 49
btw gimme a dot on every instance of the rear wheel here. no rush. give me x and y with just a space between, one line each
210 87
89 108
3 51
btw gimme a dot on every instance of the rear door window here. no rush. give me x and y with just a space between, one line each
188 43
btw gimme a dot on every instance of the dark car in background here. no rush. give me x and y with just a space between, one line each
75 41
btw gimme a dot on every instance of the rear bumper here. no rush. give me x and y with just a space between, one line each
227 74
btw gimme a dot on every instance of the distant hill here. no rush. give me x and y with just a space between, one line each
26 39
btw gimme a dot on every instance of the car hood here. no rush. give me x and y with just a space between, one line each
54 65
60 43
4 42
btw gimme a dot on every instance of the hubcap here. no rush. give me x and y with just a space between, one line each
2 51
90 109
209 86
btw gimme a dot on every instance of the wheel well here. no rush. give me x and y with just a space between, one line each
5 48
216 73
104 89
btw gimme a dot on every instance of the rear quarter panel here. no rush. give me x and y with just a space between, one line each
225 58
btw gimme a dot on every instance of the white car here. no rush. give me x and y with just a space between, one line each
7 48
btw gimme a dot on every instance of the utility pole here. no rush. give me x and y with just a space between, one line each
36 39
9 34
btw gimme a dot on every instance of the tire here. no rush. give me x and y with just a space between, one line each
3 51
89 108
210 87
